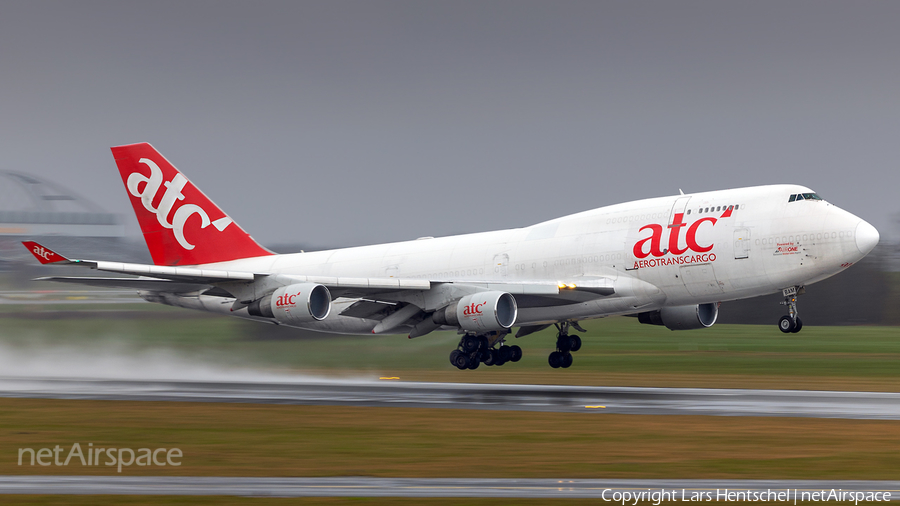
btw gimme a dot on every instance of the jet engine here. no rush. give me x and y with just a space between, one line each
480 312
698 316
292 304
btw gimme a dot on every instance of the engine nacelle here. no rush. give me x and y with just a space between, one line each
480 312
699 316
299 303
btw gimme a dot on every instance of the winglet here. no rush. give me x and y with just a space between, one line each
44 255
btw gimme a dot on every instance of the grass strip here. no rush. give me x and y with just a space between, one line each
265 440
616 351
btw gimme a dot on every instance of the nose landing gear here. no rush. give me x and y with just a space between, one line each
488 349
565 345
791 323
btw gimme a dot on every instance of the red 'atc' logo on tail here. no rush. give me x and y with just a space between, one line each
175 216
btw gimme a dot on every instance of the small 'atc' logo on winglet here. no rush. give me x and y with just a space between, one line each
44 255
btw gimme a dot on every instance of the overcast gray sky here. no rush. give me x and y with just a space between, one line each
340 123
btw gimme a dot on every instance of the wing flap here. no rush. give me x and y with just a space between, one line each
174 273
162 285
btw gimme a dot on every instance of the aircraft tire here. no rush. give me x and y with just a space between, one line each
453 356
564 343
490 357
505 353
462 361
785 324
474 363
797 326
567 361
574 343
470 344
555 359
515 353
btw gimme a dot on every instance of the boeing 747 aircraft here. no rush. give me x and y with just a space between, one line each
668 261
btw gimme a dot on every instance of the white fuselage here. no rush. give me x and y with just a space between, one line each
667 251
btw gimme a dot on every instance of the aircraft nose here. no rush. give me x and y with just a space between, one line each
866 237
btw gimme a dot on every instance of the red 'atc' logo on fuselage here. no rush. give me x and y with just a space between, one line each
674 253
656 238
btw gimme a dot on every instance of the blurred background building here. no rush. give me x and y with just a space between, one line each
32 208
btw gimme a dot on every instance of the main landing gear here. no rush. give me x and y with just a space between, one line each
565 345
488 349
791 322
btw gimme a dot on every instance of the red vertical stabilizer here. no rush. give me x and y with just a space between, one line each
181 225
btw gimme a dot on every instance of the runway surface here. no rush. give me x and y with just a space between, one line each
625 400
718 490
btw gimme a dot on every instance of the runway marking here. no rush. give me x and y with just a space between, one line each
549 398
407 487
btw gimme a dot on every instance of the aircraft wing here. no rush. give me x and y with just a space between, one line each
163 285
342 286
249 286
160 277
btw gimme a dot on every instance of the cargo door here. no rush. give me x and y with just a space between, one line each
501 265
678 208
700 279
741 243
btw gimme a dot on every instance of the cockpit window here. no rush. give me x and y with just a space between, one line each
804 196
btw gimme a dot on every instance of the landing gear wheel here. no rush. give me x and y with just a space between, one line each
791 321
786 324
556 360
470 344
515 353
505 353
454 355
473 362
461 361
574 343
490 357
566 344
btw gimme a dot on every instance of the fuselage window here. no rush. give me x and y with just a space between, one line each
689 211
